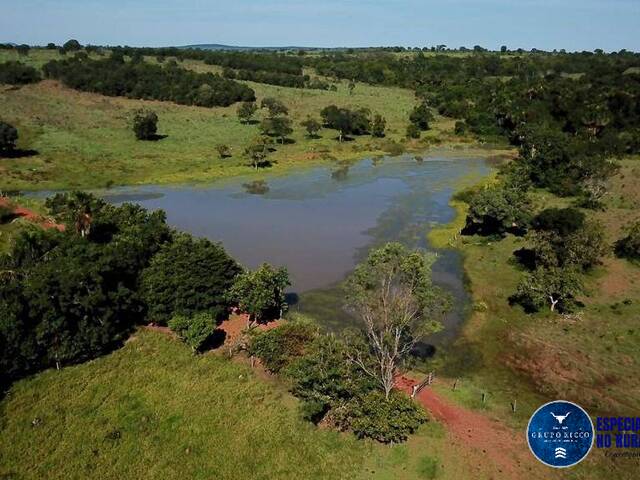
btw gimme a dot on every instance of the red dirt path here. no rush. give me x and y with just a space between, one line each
30 215
504 448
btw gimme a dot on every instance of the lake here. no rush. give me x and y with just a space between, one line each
319 222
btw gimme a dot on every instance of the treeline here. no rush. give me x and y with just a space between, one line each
113 76
264 61
568 112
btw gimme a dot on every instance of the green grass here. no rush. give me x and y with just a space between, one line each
154 410
85 140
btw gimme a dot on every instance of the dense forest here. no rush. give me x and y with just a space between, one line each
114 76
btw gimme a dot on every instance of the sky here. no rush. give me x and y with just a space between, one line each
544 24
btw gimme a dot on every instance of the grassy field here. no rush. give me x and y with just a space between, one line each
85 140
153 410
590 357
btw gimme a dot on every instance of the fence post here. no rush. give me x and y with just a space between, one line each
455 384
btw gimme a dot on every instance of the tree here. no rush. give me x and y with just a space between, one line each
223 150
629 245
555 287
145 125
352 87
257 151
346 121
8 138
378 125
312 126
194 330
567 240
72 45
498 209
391 292
67 298
260 293
275 107
246 111
421 116
188 276
278 127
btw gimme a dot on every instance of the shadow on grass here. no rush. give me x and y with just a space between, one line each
19 153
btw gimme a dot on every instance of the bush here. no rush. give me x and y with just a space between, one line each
145 125
421 116
188 276
8 137
629 245
324 378
6 213
413 131
195 330
385 420
16 73
278 347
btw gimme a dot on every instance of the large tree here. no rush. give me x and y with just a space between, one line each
554 287
188 276
392 293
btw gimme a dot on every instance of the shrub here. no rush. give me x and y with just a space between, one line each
413 131
325 378
629 245
16 73
195 330
392 420
145 125
421 116
278 347
8 137
6 213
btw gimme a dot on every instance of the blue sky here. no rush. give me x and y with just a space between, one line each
546 24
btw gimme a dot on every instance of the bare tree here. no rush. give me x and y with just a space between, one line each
393 295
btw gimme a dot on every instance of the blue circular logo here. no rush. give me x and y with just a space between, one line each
560 434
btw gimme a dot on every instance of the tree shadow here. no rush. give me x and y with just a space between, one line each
19 153
216 340
156 138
